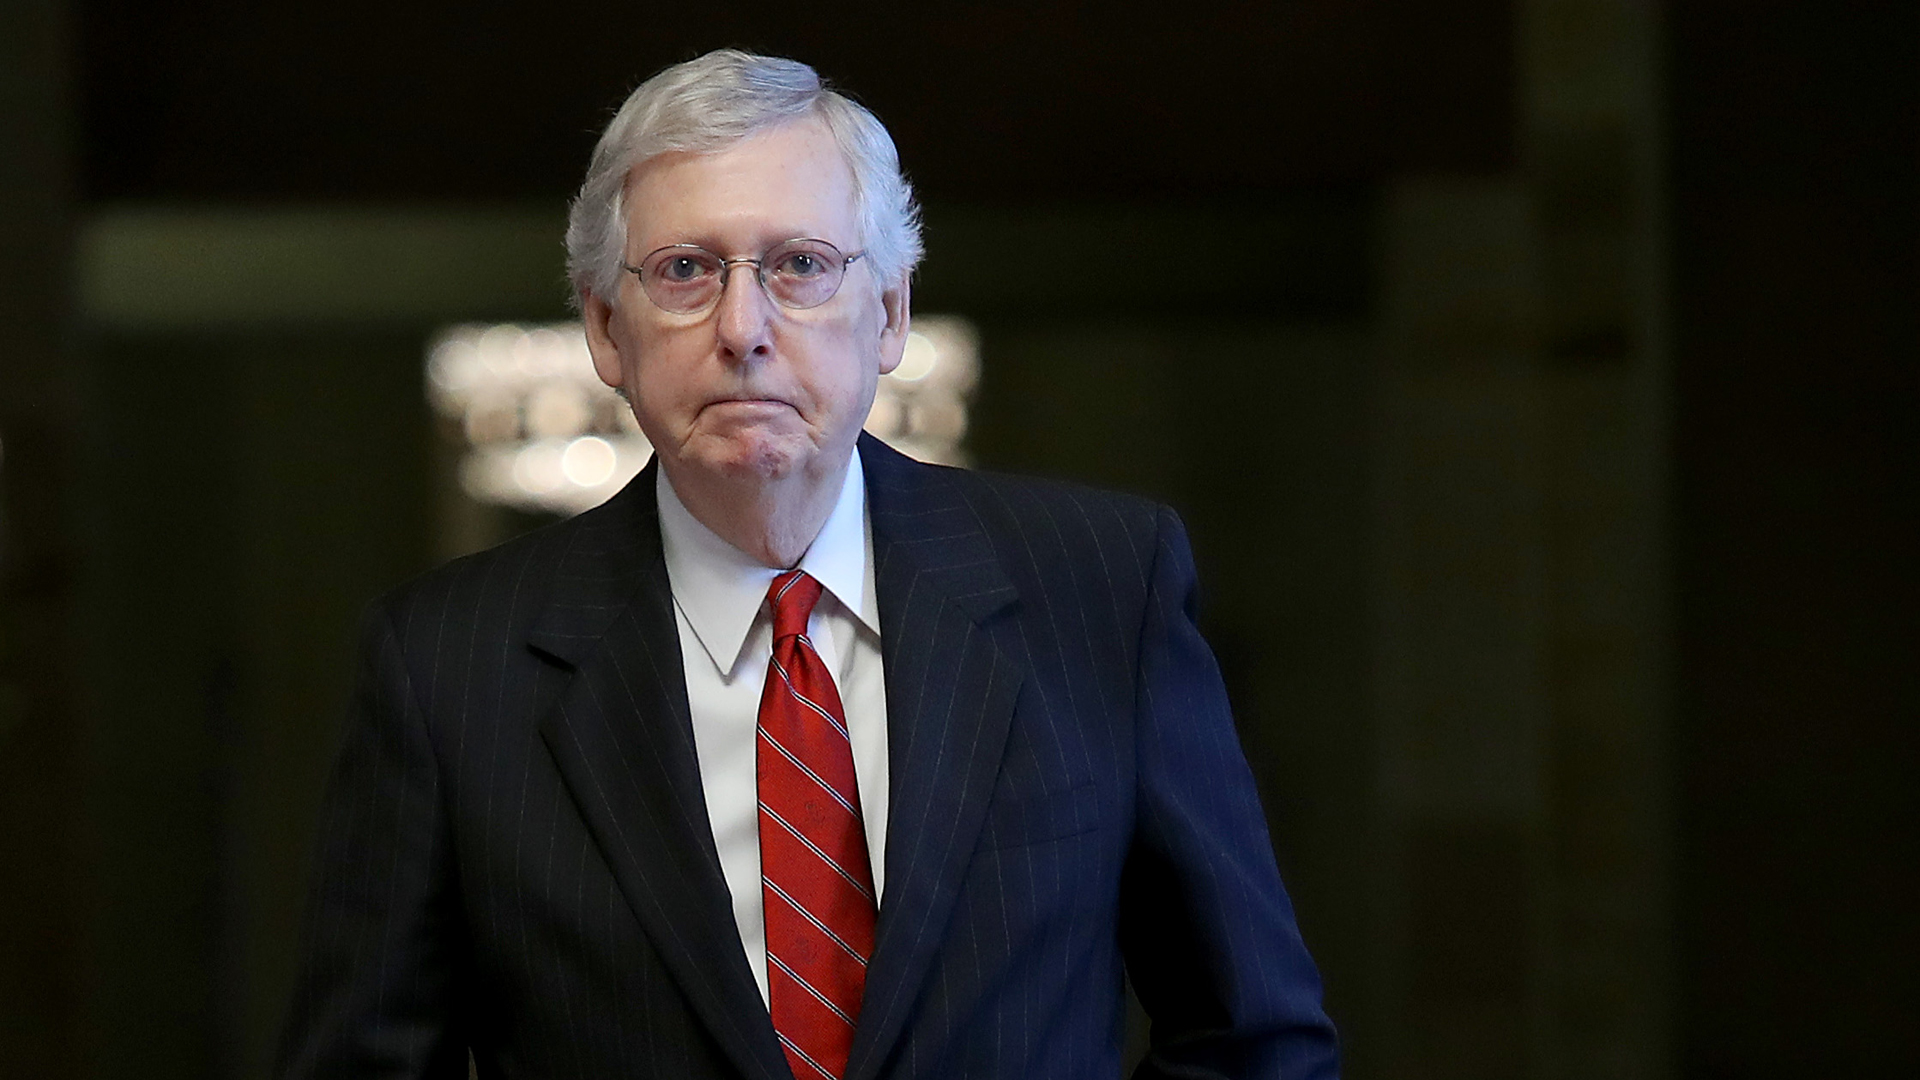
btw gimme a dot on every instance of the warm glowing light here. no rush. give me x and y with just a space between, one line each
540 429
921 407
558 410
589 461
537 468
917 361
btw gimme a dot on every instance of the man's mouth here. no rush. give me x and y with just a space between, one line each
746 403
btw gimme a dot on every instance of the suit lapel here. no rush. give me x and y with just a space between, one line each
622 737
950 698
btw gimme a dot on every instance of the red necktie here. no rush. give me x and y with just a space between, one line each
816 883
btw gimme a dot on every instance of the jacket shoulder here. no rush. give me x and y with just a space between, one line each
1050 532
500 589
1038 505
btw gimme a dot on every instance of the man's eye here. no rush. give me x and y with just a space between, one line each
682 268
801 264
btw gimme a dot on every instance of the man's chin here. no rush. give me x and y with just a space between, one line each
758 459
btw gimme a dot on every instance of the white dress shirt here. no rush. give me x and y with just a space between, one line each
726 639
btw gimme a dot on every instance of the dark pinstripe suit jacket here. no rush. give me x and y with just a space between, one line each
515 854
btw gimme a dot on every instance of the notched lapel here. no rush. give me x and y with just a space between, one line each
950 700
622 737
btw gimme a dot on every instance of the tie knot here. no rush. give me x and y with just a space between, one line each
792 596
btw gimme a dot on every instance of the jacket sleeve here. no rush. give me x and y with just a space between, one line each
1206 927
374 997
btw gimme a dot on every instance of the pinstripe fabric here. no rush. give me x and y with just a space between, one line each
514 853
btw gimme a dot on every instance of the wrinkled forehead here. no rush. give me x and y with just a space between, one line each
784 181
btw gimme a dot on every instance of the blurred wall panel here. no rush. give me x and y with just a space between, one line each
256 490
337 488
1796 192
42 878
1460 588
260 462
1520 648
157 604
1592 153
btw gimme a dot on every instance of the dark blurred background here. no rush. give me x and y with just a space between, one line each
1537 380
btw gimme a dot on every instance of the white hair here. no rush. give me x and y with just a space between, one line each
709 103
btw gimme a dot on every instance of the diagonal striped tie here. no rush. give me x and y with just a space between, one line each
815 879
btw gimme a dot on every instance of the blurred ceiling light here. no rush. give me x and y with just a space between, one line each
917 361
537 469
589 461
921 408
558 410
541 432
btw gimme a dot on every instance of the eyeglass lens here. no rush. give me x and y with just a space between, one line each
797 274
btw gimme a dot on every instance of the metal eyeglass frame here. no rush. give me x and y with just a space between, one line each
759 272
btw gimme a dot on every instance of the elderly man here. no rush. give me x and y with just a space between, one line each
797 757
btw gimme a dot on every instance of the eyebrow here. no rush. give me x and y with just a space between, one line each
709 245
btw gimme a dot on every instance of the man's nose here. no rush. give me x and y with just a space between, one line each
745 313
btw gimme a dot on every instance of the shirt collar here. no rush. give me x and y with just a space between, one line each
720 589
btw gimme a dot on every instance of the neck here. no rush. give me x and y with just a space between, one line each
773 520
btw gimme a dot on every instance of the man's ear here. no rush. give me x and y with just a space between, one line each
597 314
898 304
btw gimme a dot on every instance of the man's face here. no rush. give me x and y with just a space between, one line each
748 389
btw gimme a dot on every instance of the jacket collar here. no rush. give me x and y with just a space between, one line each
721 589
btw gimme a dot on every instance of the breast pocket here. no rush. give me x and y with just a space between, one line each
1020 819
